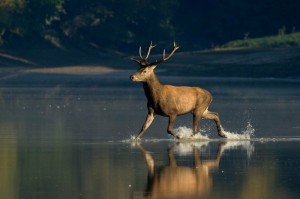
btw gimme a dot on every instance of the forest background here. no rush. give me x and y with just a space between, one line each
118 26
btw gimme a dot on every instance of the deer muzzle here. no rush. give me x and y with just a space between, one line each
132 78
136 78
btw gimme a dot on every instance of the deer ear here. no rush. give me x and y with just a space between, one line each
153 66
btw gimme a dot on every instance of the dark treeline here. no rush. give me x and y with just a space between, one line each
121 25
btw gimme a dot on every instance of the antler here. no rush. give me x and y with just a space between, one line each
148 53
164 58
143 60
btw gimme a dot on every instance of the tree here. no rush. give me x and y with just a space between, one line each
28 19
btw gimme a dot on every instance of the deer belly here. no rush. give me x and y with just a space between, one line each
174 107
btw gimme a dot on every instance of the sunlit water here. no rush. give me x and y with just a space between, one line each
70 137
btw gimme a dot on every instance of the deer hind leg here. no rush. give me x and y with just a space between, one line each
196 123
214 116
197 115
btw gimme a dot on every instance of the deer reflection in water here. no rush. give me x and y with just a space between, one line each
173 181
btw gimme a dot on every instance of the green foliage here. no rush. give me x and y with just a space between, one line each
124 24
99 23
119 22
280 40
25 19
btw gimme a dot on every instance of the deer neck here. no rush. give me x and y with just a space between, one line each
152 87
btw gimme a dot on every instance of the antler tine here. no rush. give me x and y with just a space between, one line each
138 61
148 53
140 52
171 53
149 50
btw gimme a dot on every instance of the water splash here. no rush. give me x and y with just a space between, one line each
132 139
187 148
242 144
185 133
245 135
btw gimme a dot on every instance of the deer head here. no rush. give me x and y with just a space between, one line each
146 68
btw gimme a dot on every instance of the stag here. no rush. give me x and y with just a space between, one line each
169 100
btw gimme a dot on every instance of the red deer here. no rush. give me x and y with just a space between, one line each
169 100
173 181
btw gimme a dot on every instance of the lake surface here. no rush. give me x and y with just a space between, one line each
68 136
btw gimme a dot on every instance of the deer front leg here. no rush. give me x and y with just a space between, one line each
172 119
149 119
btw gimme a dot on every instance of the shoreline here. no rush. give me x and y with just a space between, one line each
74 70
253 63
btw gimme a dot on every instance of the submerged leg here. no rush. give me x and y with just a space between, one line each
149 120
214 116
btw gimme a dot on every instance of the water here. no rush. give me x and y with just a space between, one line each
69 137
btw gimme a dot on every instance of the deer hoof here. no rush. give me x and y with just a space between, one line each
221 134
178 137
135 139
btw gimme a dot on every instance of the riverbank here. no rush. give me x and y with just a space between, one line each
257 63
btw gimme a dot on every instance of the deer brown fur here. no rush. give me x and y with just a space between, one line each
170 101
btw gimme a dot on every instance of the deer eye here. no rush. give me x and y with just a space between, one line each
144 72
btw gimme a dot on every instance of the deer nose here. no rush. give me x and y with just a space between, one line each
131 77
